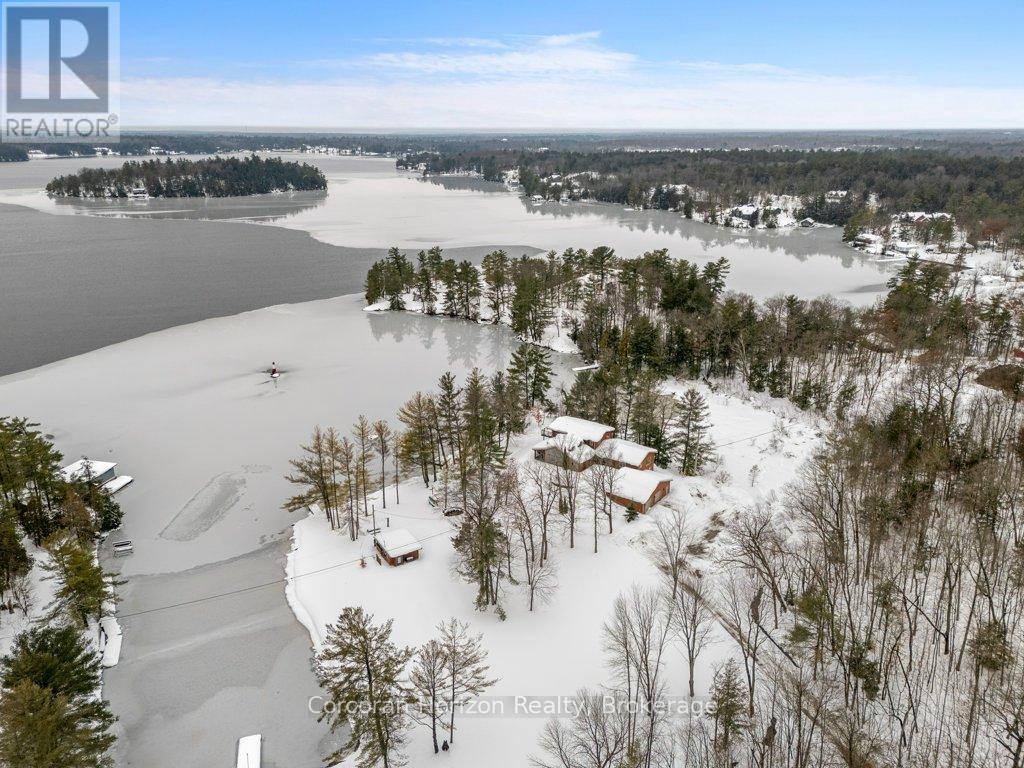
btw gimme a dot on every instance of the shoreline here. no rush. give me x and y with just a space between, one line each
190 271
205 516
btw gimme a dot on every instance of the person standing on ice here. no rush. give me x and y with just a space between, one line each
273 369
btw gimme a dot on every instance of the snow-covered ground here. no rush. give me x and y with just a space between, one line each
986 270
556 649
40 594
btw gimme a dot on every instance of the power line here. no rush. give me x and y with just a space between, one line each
265 584
744 439
286 579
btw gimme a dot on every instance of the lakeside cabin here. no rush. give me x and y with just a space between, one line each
638 490
579 430
101 472
868 239
578 444
396 546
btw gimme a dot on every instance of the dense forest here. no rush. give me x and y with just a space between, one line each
874 611
51 706
213 177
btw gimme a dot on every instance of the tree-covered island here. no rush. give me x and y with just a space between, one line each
209 177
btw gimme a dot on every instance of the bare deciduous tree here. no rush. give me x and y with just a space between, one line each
597 737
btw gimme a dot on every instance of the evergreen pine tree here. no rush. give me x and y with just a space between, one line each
425 290
14 560
41 728
82 586
428 677
362 669
49 712
694 446
466 669
728 699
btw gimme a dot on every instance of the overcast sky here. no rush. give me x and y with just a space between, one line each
595 64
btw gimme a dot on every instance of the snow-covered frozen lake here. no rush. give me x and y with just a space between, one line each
192 415
187 410
371 204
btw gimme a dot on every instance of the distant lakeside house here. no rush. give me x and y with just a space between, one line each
87 469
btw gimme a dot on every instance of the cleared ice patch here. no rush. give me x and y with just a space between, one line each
207 507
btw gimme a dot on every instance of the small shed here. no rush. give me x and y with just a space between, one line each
639 490
396 546
97 471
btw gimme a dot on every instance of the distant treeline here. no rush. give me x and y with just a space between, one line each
957 143
135 145
146 144
9 154
973 188
213 177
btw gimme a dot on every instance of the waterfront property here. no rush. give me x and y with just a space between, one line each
87 469
617 452
578 444
396 546
562 451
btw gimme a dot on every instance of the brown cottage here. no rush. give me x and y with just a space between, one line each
396 547
638 490
625 453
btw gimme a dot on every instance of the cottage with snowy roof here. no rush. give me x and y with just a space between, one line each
637 490
591 433
578 444
564 451
617 453
396 546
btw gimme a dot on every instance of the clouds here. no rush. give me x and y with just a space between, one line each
558 81
515 58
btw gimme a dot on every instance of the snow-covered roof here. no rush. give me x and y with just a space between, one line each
580 429
635 484
626 450
397 542
922 215
80 468
118 483
569 445
869 237
745 210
